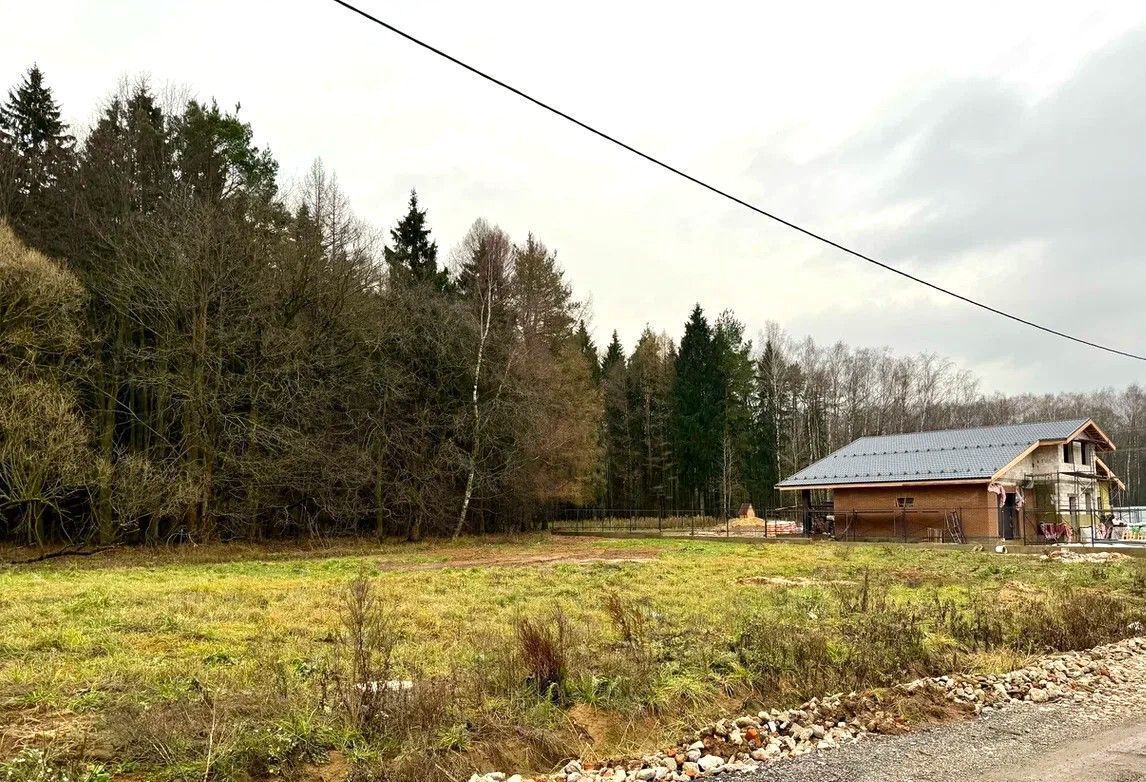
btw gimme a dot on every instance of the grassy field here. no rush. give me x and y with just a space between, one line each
234 662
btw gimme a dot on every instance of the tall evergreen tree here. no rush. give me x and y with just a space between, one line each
584 343
30 121
616 427
734 356
614 354
697 399
36 156
412 256
217 158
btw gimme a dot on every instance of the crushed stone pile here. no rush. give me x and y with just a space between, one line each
1071 556
747 742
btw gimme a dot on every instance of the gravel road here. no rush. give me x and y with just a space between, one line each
1096 737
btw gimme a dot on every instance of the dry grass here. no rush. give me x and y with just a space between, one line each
239 661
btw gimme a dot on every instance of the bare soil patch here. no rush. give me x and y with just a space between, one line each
35 725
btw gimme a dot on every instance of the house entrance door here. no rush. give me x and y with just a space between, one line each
1007 514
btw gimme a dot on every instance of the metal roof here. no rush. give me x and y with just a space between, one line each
949 454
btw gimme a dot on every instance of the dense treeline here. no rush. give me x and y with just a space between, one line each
188 352
752 415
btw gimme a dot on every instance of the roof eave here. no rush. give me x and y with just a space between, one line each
884 484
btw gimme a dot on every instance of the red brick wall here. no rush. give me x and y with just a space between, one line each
879 517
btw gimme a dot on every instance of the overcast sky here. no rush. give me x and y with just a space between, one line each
996 148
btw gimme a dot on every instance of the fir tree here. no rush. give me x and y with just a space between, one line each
413 258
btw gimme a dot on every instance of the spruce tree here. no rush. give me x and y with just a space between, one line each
614 355
734 355
697 400
413 258
36 156
588 349
30 119
618 457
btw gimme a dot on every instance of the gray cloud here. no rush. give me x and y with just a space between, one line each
1053 189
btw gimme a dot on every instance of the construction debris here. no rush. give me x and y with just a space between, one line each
1071 556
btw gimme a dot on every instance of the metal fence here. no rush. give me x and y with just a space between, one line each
964 524
781 523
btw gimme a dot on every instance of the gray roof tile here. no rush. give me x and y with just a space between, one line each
930 456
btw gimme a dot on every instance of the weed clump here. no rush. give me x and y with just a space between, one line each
543 649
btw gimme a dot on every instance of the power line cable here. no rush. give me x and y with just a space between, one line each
735 199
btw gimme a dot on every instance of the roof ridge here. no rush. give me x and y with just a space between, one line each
974 452
972 428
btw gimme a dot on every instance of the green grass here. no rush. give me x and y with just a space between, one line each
217 661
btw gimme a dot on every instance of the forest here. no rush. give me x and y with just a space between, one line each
193 349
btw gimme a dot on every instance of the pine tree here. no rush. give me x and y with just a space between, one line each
36 156
216 155
413 258
697 400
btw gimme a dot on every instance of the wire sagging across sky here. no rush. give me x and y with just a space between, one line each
735 199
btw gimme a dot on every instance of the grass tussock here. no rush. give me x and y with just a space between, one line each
434 665
542 646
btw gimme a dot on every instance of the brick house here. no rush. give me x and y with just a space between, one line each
1034 481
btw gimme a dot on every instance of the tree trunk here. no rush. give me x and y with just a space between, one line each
379 516
105 523
485 318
